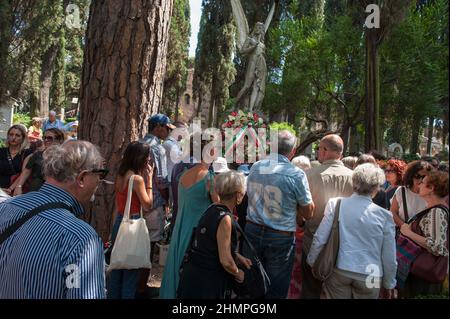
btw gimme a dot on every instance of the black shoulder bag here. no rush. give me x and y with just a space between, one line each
256 281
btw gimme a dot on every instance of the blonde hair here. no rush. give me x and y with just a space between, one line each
22 128
36 120
229 183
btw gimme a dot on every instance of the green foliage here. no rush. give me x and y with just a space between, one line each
22 118
177 55
407 157
321 66
214 68
70 119
28 30
282 126
414 66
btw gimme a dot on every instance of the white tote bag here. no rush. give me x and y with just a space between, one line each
131 248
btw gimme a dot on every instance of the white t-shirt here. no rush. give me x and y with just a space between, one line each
414 201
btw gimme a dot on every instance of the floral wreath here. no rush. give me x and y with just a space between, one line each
241 123
241 119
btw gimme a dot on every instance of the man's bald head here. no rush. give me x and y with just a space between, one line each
330 148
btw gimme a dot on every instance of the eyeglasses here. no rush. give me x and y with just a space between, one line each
418 176
49 138
389 171
102 172
318 148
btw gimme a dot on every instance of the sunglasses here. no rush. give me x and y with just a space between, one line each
102 172
418 176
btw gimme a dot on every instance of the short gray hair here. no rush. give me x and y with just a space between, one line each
64 162
366 158
286 142
227 184
367 178
302 162
350 161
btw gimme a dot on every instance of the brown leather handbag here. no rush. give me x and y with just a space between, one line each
326 261
427 266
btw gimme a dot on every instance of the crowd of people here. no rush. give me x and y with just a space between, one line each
283 206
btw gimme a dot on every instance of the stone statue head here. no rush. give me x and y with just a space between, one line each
259 30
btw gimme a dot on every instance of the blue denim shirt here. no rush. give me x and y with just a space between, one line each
275 187
160 176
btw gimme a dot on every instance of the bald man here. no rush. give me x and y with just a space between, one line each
330 179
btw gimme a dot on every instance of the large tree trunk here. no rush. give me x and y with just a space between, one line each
372 129
122 82
47 66
430 134
414 145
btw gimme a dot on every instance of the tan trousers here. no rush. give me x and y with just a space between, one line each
338 286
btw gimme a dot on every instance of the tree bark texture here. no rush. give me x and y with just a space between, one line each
372 129
47 67
430 134
122 82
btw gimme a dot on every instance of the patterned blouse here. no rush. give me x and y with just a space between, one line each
434 227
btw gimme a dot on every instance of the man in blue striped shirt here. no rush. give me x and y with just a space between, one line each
55 255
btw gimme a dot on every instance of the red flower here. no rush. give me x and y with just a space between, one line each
233 114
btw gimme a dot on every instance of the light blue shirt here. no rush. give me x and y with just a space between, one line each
275 188
173 155
57 124
366 239
160 176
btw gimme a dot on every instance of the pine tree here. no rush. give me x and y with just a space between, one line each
123 74
177 57
214 68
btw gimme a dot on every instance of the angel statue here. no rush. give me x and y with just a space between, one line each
252 46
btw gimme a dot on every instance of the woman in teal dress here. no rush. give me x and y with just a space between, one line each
195 194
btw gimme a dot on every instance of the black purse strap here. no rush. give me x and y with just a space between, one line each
239 229
426 211
11 229
405 205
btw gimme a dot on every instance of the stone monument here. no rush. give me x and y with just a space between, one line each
251 45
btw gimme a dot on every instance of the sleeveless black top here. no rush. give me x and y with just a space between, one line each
201 274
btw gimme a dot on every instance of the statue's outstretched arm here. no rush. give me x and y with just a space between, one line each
269 18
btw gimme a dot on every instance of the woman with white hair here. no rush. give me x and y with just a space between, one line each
211 262
366 259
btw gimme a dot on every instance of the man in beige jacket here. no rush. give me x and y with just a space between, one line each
329 180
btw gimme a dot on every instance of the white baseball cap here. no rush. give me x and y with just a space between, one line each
220 165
